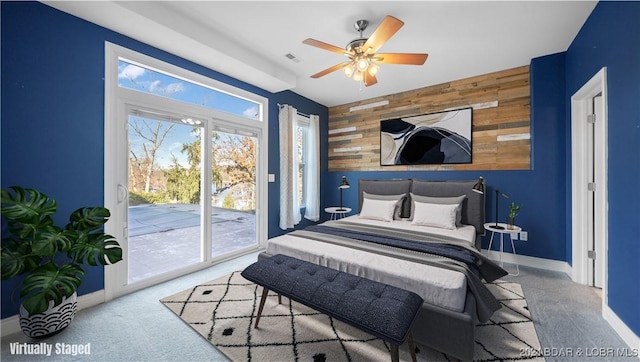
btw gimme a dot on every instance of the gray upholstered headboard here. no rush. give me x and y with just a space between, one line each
472 207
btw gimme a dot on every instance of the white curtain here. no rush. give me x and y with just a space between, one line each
289 203
312 158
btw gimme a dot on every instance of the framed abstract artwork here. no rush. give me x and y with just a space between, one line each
427 139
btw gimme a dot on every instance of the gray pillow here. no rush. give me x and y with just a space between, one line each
399 198
439 200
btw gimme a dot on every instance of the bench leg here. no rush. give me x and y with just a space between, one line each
395 354
265 291
412 347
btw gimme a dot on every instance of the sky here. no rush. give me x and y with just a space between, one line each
148 81
134 77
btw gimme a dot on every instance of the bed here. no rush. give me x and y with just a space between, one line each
423 236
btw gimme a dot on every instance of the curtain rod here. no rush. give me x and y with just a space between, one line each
299 113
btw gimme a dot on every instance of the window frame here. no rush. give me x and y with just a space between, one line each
118 100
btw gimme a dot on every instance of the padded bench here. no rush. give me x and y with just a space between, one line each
379 309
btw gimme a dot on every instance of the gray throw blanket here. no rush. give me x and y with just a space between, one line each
394 243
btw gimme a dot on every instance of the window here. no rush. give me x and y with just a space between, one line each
185 163
299 167
302 134
142 78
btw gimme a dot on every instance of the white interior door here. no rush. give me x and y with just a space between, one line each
592 96
591 195
599 154
589 172
595 193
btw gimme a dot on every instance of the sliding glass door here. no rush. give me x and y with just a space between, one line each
185 174
169 212
233 221
165 208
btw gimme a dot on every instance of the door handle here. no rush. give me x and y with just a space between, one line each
123 193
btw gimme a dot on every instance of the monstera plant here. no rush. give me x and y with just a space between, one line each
50 257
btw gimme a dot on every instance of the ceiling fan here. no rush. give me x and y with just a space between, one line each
363 63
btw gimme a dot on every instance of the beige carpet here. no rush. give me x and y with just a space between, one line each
222 312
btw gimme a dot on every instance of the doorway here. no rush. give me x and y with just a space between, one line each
185 170
589 183
166 213
191 194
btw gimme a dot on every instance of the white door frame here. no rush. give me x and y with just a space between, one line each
117 102
580 106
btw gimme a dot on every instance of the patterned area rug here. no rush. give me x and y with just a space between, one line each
223 311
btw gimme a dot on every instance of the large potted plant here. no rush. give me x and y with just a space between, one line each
50 257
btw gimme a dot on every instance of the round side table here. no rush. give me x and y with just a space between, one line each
337 212
490 226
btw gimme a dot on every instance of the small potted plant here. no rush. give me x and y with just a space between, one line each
50 257
514 209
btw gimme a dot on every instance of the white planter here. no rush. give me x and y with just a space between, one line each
52 320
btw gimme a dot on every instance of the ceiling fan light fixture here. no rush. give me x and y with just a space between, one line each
362 63
373 68
348 69
358 76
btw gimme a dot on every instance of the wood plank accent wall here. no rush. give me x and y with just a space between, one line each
501 138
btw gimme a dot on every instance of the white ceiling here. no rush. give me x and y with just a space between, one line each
248 40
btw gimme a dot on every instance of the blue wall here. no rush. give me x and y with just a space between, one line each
53 113
540 191
611 37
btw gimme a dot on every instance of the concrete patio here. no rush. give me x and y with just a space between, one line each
167 237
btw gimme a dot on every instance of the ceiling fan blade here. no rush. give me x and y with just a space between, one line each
325 46
369 79
329 70
385 30
400 58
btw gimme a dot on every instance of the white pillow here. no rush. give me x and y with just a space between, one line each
399 199
378 209
439 200
435 215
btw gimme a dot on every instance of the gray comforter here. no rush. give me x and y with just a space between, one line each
456 254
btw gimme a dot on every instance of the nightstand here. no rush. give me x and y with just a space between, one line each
336 212
490 226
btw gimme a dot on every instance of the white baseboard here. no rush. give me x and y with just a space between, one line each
11 325
530 261
627 335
